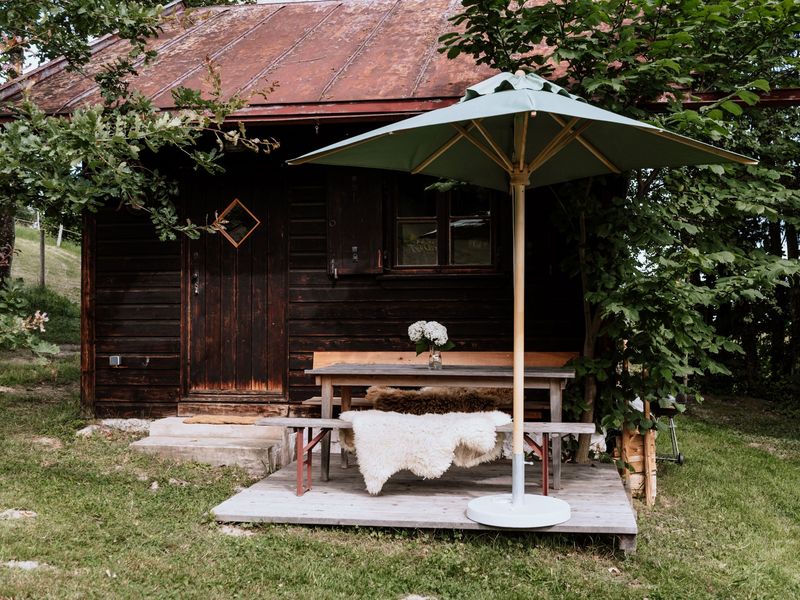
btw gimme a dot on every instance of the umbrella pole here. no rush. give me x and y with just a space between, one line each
518 459
517 509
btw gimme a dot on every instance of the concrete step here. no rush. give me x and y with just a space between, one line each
258 456
175 427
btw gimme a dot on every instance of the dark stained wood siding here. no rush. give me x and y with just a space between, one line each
137 316
368 312
137 297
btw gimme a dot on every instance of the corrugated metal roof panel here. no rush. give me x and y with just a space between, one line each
336 58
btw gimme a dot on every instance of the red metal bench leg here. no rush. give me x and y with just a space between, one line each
304 456
299 444
545 463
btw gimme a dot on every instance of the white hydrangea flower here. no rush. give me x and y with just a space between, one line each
436 333
416 331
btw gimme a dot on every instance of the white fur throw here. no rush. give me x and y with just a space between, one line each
426 445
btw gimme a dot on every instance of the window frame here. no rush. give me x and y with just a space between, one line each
443 219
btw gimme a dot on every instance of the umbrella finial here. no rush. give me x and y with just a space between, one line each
519 73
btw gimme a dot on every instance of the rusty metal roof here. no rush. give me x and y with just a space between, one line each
328 59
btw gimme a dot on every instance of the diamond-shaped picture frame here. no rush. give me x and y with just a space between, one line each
236 223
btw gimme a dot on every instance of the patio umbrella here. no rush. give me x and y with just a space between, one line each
518 131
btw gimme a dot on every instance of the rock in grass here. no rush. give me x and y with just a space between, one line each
13 514
25 565
128 425
48 442
107 426
234 531
88 431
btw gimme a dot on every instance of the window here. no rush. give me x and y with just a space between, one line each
236 223
448 230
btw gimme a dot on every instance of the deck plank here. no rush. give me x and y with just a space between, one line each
595 494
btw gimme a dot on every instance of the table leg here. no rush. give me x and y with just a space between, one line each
555 417
346 395
327 413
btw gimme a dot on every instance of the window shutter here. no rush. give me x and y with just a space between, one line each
355 223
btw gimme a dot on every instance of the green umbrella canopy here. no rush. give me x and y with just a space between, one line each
508 133
565 138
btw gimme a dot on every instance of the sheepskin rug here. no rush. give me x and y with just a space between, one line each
426 445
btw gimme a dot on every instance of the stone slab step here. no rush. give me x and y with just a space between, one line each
256 455
175 427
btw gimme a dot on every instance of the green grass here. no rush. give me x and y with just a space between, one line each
62 265
726 525
64 326
59 299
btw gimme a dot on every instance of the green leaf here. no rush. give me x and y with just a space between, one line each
732 107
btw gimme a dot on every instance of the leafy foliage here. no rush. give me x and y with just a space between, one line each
661 254
18 328
68 166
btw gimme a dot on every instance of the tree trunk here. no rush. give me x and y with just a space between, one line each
777 350
591 327
792 252
7 241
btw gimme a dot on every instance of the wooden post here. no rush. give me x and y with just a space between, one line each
88 316
519 316
60 235
41 255
326 413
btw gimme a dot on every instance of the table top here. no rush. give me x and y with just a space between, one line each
447 372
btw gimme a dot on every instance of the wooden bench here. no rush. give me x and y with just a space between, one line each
533 409
304 448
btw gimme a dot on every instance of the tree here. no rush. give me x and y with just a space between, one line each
100 153
658 251
70 165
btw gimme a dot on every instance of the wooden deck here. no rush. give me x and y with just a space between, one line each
595 494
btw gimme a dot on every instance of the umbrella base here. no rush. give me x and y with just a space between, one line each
532 511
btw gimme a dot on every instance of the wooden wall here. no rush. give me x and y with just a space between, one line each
367 312
132 300
137 315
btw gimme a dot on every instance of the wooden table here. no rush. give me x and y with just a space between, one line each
348 375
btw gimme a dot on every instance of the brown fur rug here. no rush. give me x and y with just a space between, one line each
439 400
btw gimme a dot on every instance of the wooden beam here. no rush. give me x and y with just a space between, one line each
591 148
438 152
88 315
501 161
493 144
561 141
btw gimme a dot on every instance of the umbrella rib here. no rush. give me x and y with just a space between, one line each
555 140
304 159
501 161
523 142
493 144
561 141
591 148
732 156
438 152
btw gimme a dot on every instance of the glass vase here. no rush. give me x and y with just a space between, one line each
434 358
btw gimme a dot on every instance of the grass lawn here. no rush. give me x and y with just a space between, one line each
726 524
62 265
59 299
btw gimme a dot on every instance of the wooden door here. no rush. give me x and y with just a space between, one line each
236 295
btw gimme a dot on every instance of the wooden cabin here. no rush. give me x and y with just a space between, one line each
313 258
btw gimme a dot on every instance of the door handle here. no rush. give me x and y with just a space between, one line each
196 283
